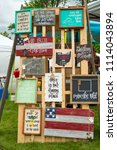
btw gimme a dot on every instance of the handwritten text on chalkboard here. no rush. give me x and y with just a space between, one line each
83 53
32 121
53 87
44 17
85 89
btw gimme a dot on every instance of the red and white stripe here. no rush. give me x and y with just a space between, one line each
72 123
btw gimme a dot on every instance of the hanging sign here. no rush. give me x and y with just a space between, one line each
44 17
53 87
63 58
32 121
71 18
83 53
26 91
33 66
85 89
34 46
23 21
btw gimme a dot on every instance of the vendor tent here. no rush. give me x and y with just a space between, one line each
5 52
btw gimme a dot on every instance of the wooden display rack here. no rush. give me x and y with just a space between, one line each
23 138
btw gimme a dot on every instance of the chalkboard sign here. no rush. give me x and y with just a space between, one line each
53 87
26 91
83 53
33 66
85 89
71 18
63 58
44 17
23 21
32 121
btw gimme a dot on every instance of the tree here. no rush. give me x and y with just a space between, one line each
11 26
43 3
6 34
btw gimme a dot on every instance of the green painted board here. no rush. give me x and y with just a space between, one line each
23 21
26 91
71 18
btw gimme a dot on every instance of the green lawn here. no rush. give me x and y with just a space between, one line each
8 134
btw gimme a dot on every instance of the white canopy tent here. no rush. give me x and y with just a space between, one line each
5 53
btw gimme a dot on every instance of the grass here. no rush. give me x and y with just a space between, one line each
8 134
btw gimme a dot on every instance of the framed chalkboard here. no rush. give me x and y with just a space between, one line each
23 21
32 121
33 66
85 89
44 17
71 18
26 91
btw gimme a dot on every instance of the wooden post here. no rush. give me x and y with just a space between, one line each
8 78
83 41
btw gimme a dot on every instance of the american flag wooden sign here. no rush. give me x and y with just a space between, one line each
34 46
69 122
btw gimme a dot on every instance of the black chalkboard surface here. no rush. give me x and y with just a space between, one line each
44 17
85 89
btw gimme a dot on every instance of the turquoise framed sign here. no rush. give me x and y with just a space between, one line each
71 18
23 21
26 91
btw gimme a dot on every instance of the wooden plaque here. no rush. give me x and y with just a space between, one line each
34 46
63 58
44 17
26 91
71 18
32 121
34 66
23 21
53 87
85 89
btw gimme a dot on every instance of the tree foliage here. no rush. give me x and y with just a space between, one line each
6 34
11 26
43 3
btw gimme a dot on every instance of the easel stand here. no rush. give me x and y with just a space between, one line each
66 72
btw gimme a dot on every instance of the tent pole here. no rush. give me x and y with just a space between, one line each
3 100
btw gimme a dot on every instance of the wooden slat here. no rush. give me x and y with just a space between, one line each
21 136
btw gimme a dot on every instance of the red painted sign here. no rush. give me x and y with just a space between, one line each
34 46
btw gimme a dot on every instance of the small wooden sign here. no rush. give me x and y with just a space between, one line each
63 58
23 21
71 18
85 89
26 91
32 121
34 46
83 53
53 87
44 17
34 66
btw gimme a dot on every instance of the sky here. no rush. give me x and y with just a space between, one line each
7 12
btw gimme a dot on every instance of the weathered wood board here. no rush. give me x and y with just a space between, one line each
34 67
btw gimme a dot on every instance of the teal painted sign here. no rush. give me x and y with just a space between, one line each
71 18
23 21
